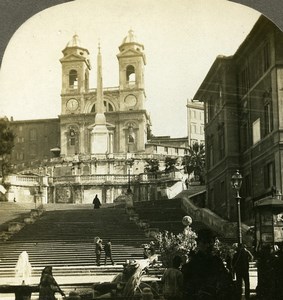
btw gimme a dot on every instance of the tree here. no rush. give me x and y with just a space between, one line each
152 165
170 164
194 162
6 145
170 244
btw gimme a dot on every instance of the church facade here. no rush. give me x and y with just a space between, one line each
99 143
127 121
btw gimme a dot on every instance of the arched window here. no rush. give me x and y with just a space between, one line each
131 135
107 107
73 79
130 74
72 137
93 108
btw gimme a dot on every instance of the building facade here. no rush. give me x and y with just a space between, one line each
195 122
242 97
99 143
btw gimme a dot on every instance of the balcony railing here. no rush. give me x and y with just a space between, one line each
112 178
35 180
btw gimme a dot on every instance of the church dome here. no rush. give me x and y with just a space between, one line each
74 42
131 42
74 47
130 38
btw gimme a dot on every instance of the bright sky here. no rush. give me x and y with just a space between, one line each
181 38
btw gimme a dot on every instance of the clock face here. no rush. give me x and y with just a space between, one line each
130 100
72 104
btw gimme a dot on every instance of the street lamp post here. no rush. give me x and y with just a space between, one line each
236 183
129 163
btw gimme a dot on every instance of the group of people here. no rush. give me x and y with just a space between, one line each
100 248
205 276
48 286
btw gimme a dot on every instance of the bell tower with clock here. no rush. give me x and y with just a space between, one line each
131 73
75 85
75 77
133 116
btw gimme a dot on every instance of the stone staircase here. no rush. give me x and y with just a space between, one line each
164 215
64 237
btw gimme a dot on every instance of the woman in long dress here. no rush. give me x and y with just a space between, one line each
48 285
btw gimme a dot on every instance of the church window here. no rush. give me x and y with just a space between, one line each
72 134
131 136
130 74
73 79
110 107
107 107
72 141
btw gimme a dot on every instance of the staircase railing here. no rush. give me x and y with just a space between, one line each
226 228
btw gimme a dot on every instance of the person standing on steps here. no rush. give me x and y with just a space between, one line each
240 265
96 202
108 252
98 250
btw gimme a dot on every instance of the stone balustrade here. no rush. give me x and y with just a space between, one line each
14 227
213 221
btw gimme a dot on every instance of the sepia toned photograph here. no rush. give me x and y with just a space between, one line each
141 149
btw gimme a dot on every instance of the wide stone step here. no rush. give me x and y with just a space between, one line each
65 240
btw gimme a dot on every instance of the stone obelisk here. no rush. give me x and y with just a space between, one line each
99 133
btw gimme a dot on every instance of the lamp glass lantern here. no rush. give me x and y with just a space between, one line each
236 182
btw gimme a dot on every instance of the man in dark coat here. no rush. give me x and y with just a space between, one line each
96 202
108 252
205 276
240 265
